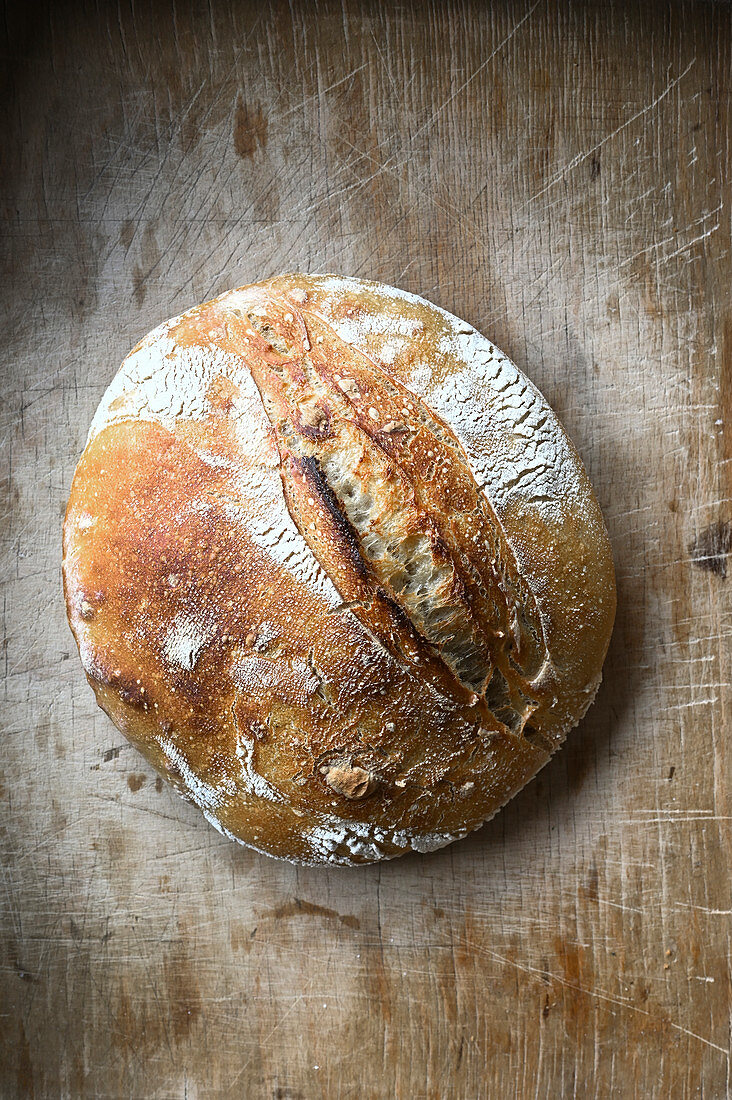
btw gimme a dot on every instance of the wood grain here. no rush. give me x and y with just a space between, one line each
558 174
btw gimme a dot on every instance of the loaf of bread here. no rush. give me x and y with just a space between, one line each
335 569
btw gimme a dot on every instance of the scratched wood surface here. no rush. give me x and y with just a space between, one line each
558 174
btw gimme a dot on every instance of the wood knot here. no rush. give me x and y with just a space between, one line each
350 781
711 548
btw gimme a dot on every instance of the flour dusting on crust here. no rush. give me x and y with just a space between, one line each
202 794
185 640
252 781
162 381
166 383
504 424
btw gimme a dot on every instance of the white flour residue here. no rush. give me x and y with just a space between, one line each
204 796
430 842
383 335
371 842
511 437
509 433
254 433
333 833
420 376
88 654
251 779
124 397
389 350
220 462
340 284
162 381
213 820
303 676
255 674
262 511
84 521
266 634
197 508
325 843
362 325
185 640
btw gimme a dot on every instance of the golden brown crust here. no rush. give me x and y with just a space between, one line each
334 568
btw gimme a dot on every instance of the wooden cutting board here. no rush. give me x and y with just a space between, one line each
559 175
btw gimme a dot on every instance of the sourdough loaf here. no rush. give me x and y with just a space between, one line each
335 569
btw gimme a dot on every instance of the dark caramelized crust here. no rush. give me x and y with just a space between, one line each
342 622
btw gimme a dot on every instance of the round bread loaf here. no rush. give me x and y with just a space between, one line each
335 569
